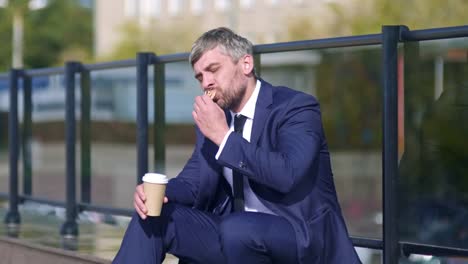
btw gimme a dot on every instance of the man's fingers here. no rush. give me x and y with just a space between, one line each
141 206
166 200
196 109
195 118
139 212
206 98
139 203
141 192
199 101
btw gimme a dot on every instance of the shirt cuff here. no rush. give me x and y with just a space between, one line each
221 147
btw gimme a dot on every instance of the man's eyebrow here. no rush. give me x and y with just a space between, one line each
206 68
211 65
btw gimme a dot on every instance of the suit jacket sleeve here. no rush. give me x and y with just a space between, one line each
295 136
184 188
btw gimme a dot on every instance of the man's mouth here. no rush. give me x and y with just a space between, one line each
211 94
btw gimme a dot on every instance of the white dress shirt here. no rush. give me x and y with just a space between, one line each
251 201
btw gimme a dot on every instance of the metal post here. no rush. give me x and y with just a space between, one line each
69 230
26 135
258 64
390 38
159 118
85 128
143 60
12 219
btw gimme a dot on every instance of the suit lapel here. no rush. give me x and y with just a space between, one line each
262 110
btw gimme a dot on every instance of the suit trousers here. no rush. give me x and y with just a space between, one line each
200 237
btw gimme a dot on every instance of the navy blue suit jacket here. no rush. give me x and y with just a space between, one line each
288 166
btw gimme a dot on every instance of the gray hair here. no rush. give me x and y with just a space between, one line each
229 42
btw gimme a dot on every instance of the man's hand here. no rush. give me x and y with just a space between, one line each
139 199
210 118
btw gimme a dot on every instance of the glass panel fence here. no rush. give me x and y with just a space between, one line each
346 82
433 118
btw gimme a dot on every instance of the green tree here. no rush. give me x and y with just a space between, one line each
60 31
5 39
296 28
369 15
154 38
14 14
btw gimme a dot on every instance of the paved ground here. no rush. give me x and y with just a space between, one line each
99 235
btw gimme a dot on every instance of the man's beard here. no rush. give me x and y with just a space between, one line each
233 100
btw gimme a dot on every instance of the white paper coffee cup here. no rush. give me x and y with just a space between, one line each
154 185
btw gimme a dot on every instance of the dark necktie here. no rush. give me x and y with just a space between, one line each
237 177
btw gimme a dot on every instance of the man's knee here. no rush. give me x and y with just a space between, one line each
168 209
235 231
174 212
153 226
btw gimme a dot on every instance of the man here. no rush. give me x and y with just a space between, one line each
261 192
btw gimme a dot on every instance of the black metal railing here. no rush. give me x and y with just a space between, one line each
389 39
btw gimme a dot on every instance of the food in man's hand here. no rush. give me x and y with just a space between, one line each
211 93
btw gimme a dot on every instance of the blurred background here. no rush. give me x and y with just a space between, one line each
433 104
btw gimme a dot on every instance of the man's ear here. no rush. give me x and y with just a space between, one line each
247 64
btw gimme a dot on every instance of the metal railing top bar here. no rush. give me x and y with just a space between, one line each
45 71
177 57
110 65
434 33
339 42
106 210
347 41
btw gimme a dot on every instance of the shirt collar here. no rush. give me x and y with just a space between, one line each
249 108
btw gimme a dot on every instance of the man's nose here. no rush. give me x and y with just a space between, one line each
208 82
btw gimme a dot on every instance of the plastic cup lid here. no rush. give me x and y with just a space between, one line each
155 178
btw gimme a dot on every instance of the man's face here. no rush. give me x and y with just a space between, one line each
216 72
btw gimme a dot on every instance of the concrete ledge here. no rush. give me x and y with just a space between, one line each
17 251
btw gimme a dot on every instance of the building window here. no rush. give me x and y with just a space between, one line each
150 8
130 8
196 7
223 5
3 3
247 4
273 2
174 7
37 4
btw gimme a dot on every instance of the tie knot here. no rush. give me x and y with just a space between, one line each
239 121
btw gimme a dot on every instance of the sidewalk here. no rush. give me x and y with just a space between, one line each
99 236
